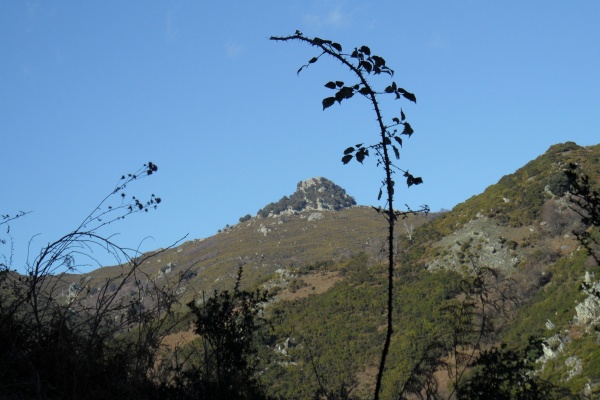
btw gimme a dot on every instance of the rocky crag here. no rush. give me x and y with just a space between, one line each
312 194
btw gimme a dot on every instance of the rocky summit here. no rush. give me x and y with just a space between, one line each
312 194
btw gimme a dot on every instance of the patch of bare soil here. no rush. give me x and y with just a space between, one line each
365 380
315 284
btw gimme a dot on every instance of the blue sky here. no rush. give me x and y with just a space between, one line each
92 90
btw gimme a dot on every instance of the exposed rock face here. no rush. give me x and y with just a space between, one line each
588 311
315 216
167 269
312 194
264 230
574 366
477 240
73 292
553 346
587 316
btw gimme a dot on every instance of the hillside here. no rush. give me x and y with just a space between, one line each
320 256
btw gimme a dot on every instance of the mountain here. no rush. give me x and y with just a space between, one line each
322 257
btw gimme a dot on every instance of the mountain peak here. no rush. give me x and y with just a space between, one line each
306 185
312 194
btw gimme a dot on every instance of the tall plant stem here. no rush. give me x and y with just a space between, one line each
361 63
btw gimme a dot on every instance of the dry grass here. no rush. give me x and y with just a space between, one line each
317 283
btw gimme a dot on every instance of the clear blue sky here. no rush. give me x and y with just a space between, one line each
90 90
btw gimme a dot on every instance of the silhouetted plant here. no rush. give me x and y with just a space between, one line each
362 63
228 324
94 342
585 201
482 298
422 382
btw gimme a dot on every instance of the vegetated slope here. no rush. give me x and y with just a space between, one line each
523 226
520 226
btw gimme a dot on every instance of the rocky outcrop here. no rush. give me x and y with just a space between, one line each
588 311
315 216
477 241
166 269
264 230
587 316
312 194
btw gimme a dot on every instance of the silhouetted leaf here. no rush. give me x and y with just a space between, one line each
380 193
389 89
346 159
387 141
360 156
344 93
402 116
388 71
408 130
347 91
330 85
365 50
366 65
313 60
396 120
349 150
379 61
411 180
328 102
399 140
364 91
337 46
408 95
339 83
396 152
